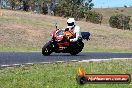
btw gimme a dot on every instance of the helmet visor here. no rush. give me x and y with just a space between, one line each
70 24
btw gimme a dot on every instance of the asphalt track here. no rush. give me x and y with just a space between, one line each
9 58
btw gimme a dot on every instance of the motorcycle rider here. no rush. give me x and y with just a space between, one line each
73 28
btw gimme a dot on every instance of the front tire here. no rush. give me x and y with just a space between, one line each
47 49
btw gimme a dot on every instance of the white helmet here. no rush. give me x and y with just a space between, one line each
71 23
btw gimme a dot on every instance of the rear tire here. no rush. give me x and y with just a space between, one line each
47 49
74 53
76 48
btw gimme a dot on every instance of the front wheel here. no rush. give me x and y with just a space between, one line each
47 49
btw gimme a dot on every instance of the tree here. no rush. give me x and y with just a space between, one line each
125 6
73 8
120 21
13 4
0 3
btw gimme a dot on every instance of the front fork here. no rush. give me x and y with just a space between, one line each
54 44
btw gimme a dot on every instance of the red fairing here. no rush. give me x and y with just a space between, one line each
66 43
54 33
57 37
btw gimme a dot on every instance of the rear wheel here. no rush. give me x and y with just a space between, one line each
74 53
76 48
47 49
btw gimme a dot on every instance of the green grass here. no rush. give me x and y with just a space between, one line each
61 75
19 49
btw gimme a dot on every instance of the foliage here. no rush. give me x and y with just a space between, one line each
120 21
78 9
13 3
73 8
94 17
25 5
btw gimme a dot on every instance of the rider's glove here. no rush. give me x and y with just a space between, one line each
71 40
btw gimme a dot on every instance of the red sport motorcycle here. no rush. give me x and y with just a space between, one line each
60 43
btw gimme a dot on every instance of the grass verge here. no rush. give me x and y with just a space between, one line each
61 75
